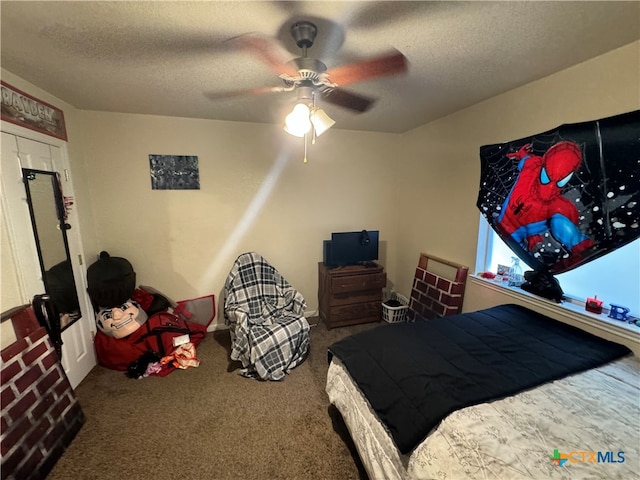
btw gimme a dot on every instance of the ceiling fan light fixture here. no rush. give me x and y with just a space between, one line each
321 121
297 123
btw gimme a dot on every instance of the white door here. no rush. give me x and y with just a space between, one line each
43 153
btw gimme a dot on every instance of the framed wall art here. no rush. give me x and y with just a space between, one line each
174 172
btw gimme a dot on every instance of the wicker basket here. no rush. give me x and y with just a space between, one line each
395 314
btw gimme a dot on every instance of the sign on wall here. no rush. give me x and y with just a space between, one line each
174 172
26 111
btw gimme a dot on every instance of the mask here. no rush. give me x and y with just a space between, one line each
120 321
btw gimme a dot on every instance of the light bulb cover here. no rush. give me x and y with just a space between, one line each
321 121
297 123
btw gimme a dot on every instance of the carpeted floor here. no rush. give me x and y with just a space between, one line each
211 423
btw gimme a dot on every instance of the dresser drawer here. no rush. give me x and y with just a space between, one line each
356 283
347 298
340 314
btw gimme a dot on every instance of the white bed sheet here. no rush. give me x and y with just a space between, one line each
512 438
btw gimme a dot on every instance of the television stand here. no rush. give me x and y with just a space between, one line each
351 294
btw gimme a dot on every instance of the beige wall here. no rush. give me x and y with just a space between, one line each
440 167
419 189
256 194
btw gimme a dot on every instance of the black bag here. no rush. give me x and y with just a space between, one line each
543 284
49 319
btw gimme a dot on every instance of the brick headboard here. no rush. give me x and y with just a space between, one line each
438 288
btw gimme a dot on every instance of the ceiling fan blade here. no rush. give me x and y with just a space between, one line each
389 64
350 100
265 49
245 92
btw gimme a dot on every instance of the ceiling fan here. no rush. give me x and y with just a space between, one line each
310 78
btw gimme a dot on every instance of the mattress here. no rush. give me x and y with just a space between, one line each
415 374
589 422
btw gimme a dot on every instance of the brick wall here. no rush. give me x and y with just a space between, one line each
433 295
40 413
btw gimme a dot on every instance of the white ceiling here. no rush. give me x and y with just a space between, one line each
164 58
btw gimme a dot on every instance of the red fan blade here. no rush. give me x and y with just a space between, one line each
265 49
350 100
384 65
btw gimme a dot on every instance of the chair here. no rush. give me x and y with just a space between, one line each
265 314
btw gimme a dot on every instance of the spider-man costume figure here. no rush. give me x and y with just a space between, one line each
535 204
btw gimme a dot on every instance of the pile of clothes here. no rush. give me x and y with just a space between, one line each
140 330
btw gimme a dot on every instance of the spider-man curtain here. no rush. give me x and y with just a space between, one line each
565 197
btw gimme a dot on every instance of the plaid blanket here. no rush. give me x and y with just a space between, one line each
269 333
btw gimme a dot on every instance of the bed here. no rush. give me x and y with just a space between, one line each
502 393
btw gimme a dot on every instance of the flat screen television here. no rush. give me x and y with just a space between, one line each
351 248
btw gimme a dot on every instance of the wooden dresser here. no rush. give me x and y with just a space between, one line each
350 295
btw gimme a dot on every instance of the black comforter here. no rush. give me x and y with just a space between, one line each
415 374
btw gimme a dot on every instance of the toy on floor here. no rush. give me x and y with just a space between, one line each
137 327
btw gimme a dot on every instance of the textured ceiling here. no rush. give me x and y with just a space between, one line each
169 58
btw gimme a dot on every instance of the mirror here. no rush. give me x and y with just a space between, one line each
48 217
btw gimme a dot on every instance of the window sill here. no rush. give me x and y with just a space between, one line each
576 313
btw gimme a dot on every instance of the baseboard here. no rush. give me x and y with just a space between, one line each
214 327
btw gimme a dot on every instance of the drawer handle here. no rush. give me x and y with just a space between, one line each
343 285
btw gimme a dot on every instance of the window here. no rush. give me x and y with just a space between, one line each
614 278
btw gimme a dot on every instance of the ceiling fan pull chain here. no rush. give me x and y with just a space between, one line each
313 126
305 149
